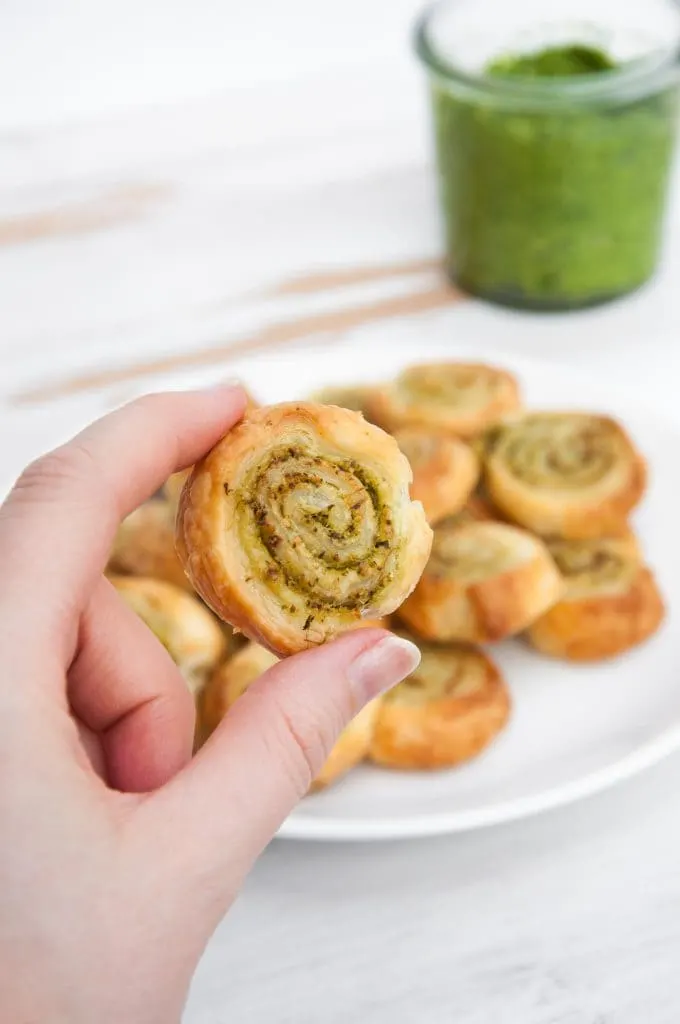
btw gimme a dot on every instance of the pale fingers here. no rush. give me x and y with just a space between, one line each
57 524
264 755
125 689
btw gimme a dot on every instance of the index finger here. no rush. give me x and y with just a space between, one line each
58 523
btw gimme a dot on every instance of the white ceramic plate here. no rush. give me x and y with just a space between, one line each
575 730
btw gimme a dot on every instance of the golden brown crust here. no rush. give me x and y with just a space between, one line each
573 475
480 507
445 471
350 396
484 581
230 680
145 546
187 630
172 488
453 398
611 601
233 678
298 525
351 748
476 509
235 674
383 623
445 713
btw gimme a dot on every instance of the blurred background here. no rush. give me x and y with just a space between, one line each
188 187
177 178
69 59
167 169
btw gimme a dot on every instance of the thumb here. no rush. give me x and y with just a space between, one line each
261 760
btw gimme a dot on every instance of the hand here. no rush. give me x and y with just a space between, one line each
118 852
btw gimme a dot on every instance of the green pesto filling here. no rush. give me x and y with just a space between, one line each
553 62
579 562
553 206
265 537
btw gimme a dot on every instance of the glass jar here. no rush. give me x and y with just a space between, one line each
553 189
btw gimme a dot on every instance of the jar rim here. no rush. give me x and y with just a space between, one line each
637 77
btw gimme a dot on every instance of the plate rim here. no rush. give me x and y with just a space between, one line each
299 827
347 829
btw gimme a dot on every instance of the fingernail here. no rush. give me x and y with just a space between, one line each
383 666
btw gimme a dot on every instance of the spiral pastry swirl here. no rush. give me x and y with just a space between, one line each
600 565
299 523
445 470
452 398
446 712
611 601
484 581
573 475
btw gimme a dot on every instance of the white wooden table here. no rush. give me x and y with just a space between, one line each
141 249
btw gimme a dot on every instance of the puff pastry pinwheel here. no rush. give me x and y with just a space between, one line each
355 397
452 398
187 630
299 524
611 601
484 581
233 678
145 545
445 470
573 475
476 509
172 488
446 712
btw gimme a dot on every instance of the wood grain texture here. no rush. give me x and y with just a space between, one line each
115 206
273 337
569 918
322 281
255 239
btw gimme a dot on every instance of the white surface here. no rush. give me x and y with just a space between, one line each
574 729
566 919
569 918
64 59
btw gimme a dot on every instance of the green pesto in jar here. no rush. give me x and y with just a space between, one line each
557 205
554 62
